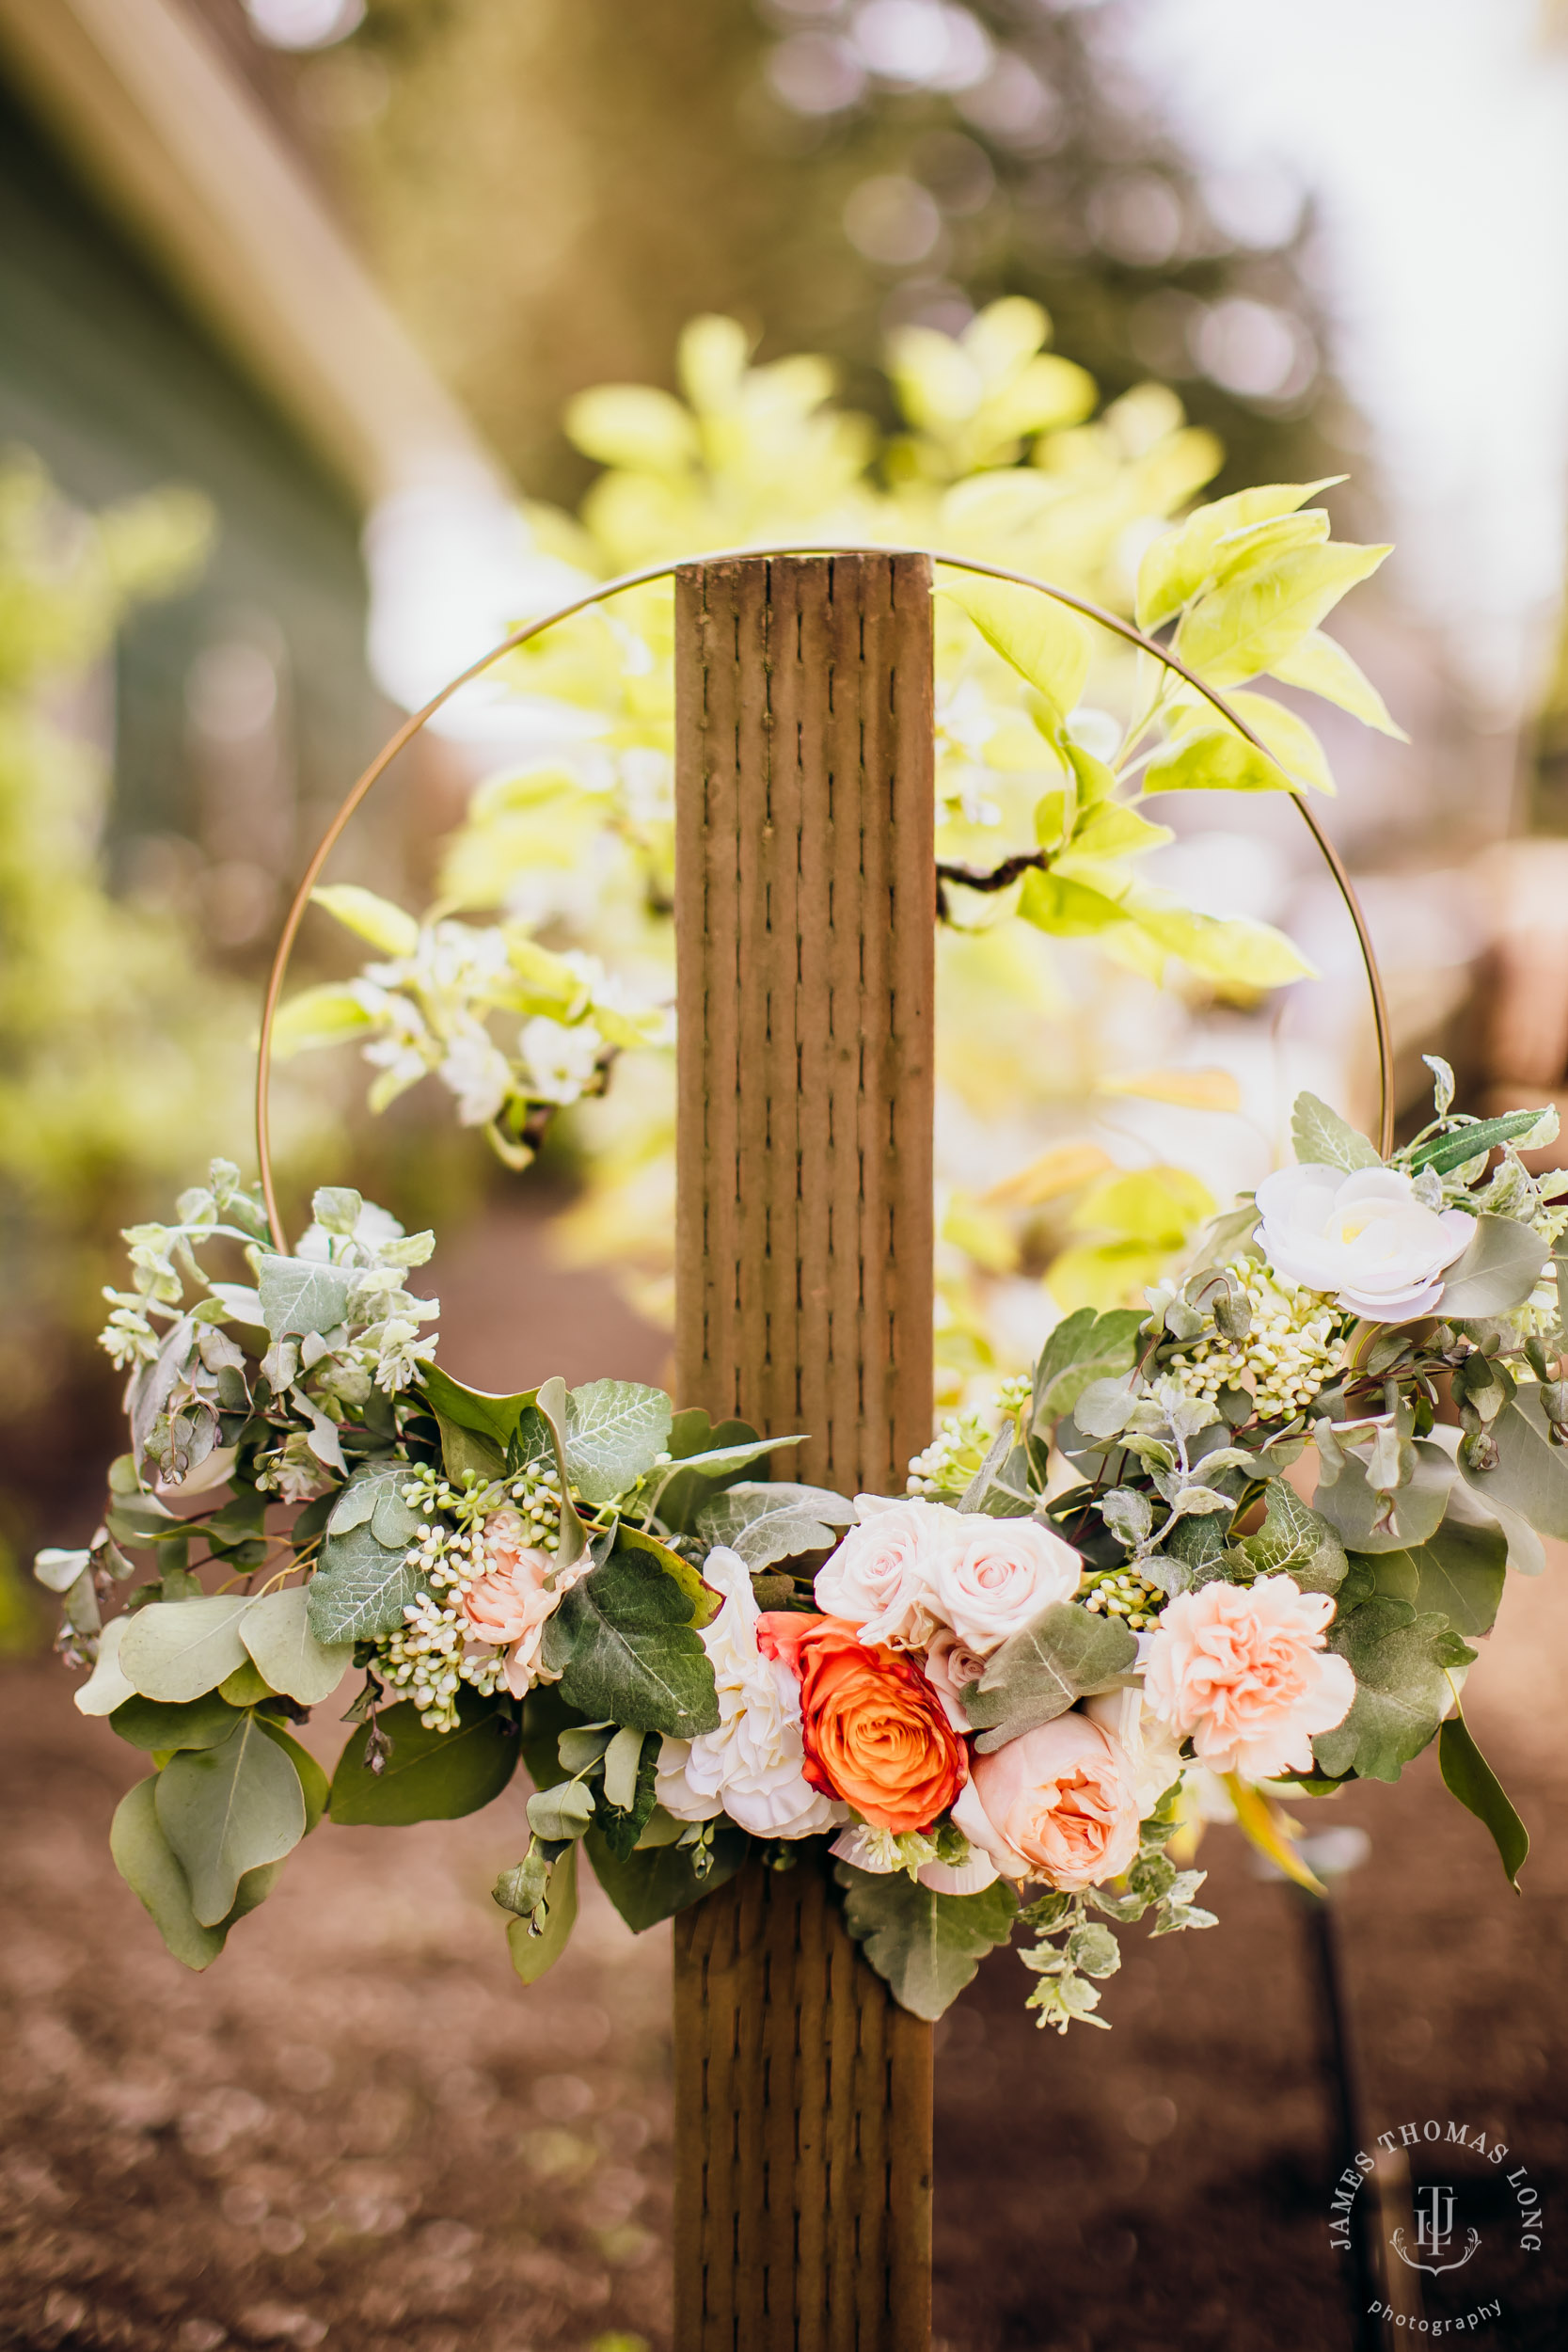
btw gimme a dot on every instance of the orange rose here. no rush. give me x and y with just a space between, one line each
873 1729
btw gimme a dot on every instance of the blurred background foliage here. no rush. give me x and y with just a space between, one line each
551 191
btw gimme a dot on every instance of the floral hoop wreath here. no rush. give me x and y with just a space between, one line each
1101 1612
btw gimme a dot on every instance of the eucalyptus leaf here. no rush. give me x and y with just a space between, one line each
1460 1571
107 1687
925 1947
531 1955
1352 1505
562 1814
1402 1689
615 1431
1471 1779
430 1775
1323 1139
1531 1476
229 1810
1499 1270
275 1632
1083 1347
179 1650
145 1860
159 1725
1063 1655
624 1646
313 1784
302 1296
776 1520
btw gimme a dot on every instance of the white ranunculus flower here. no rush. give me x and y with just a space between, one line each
1152 1748
1364 1237
751 1767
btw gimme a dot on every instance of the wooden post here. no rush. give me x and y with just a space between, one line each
805 917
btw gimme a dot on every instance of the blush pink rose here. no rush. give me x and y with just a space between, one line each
1241 1670
996 1574
1059 1804
951 1666
507 1606
878 1576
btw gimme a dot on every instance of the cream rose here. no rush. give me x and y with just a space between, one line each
1364 1237
995 1575
878 1577
1151 1748
751 1767
1241 1670
1059 1804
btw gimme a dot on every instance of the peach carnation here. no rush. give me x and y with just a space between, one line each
1058 1804
872 1730
1241 1670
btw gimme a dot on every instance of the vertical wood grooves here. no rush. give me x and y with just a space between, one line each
805 909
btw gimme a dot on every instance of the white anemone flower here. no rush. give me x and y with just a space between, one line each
1366 1237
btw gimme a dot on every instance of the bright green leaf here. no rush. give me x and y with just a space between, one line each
1237 951
1069 910
1176 565
1214 759
1046 644
1234 632
318 1016
1322 667
386 926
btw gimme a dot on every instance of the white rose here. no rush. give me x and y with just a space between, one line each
879 1576
1364 1237
995 1575
751 1767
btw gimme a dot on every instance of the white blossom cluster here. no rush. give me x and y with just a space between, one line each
435 1651
1285 1358
962 1442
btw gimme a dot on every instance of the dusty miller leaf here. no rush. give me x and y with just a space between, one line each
925 1947
765 1522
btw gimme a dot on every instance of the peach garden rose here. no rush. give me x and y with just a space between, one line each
1241 1670
508 1606
1058 1804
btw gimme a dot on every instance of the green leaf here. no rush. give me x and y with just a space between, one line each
1069 909
710 1459
1461 1570
1472 1780
1214 759
1531 1476
1286 735
159 1728
1083 1348
106 1688
495 1418
1325 668
1184 559
1323 1139
1257 620
385 926
925 1947
365 1582
275 1630
246 1687
430 1775
1499 1270
313 1784
621 1825
704 1599
531 1955
615 1430
553 1404
627 1652
1351 1505
229 1810
779 1520
1444 1154
180 1650
318 1016
1037 637
1235 949
1063 1655
562 1814
1402 1689
301 1296
657 1882
145 1860
1295 1541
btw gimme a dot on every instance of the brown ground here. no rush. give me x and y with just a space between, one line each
358 2129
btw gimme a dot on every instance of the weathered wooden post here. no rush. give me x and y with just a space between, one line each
804 924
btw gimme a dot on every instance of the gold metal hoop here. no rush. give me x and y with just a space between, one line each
411 726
